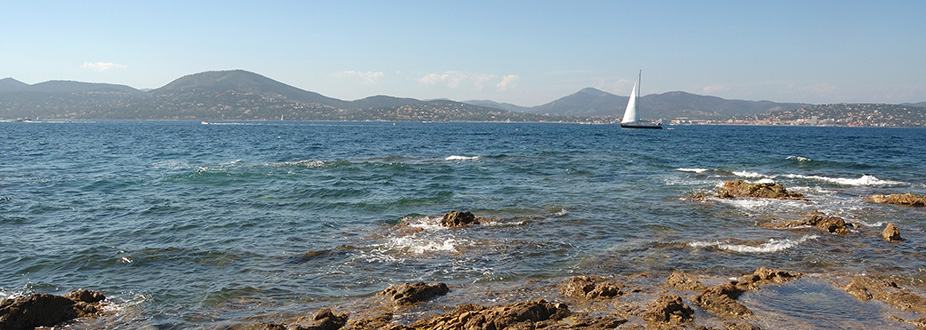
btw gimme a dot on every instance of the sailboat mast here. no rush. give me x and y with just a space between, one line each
639 87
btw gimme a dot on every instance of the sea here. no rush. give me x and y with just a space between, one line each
192 225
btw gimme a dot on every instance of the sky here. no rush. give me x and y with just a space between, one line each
526 53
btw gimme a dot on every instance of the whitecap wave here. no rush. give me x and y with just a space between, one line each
308 163
693 170
461 158
771 246
864 180
799 159
424 223
751 175
421 245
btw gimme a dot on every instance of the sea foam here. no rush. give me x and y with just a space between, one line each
864 180
460 158
693 170
771 246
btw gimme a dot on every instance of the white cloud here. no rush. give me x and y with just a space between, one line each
508 82
454 79
368 78
102 66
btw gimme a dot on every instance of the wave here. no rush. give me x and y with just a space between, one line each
864 180
751 175
694 170
309 163
771 246
799 159
461 158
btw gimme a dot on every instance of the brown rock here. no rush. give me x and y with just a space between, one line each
668 309
526 315
890 233
819 220
39 310
763 275
683 281
740 188
457 219
907 199
721 300
377 322
589 287
868 287
412 293
84 295
325 319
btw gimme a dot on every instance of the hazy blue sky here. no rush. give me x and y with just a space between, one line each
523 52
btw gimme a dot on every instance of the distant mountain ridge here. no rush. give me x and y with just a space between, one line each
240 81
8 85
244 95
594 102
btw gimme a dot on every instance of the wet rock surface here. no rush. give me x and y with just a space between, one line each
907 199
589 287
740 188
458 219
325 319
412 293
721 299
870 287
891 233
669 309
528 315
682 281
40 310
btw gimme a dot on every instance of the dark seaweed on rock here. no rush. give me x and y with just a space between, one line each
412 293
42 310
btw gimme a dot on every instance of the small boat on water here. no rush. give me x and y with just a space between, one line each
631 119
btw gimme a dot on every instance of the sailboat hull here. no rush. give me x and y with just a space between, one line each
642 125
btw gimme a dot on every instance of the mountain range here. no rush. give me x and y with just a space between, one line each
243 95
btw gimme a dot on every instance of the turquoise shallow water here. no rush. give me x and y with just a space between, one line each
186 222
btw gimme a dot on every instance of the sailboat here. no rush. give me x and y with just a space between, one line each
631 120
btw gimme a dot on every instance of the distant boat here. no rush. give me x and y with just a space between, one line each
631 120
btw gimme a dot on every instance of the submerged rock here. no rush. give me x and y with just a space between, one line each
412 293
589 287
868 287
891 234
669 309
40 310
907 199
819 220
740 188
763 275
325 319
525 315
456 219
721 299
683 281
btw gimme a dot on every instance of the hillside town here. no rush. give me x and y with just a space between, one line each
844 114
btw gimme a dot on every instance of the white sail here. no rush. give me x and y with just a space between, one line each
630 114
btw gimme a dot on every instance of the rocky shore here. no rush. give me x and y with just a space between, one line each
680 300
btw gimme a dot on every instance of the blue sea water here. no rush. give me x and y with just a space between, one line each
187 225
